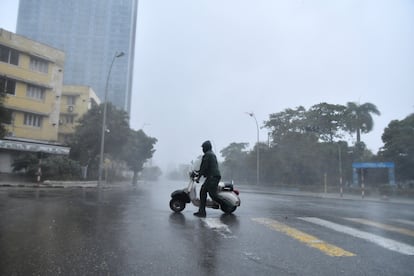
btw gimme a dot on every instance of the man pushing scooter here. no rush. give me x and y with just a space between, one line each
209 169
224 196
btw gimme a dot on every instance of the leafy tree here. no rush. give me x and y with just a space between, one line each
249 171
295 134
399 146
358 118
270 164
234 156
151 173
86 141
138 149
328 119
298 158
282 123
303 150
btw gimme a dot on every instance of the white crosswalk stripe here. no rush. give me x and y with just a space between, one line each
387 227
404 221
406 249
381 241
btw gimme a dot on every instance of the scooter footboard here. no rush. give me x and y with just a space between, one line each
209 203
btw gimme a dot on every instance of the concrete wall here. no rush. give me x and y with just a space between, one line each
5 161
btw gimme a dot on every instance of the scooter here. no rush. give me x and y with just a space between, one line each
228 196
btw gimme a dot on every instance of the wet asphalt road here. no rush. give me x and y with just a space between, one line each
131 231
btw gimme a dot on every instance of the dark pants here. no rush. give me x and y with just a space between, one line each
210 186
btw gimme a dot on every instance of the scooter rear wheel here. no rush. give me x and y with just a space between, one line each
228 209
177 205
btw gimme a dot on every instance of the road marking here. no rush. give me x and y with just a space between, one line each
383 226
309 240
216 224
404 221
251 256
383 242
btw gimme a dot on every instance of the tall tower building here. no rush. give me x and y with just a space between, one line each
90 32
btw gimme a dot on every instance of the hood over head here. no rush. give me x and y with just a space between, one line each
206 146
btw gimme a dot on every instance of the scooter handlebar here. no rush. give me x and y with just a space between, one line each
194 176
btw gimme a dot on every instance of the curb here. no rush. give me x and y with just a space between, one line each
327 195
63 184
70 184
43 185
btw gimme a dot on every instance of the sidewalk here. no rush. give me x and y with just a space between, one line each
62 184
50 184
345 196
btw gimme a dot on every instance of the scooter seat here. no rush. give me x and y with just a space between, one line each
228 187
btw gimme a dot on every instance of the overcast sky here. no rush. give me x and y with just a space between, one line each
201 65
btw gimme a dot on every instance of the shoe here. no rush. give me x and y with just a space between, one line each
200 214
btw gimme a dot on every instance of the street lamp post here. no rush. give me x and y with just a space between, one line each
340 170
101 159
251 114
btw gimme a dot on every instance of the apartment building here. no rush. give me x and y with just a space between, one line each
76 100
31 75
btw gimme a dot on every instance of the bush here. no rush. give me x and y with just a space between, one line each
26 163
53 167
60 168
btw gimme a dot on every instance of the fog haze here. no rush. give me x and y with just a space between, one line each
201 65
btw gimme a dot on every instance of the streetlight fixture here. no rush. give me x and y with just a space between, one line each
251 114
101 159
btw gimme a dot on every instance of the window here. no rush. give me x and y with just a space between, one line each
69 119
32 120
35 92
71 100
9 55
8 117
39 65
7 86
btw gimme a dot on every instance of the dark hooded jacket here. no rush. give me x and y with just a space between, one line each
209 165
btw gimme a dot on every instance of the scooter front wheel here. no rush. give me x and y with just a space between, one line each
177 205
228 209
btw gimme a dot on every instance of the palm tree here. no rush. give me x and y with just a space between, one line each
358 118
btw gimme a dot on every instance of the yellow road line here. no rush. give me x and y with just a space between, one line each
309 240
383 226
